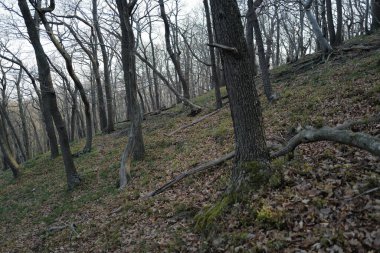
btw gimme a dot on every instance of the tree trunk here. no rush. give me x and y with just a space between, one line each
173 56
77 82
324 20
278 49
155 79
330 22
9 159
261 52
37 138
249 36
93 105
244 103
74 109
301 51
101 105
214 75
5 116
316 8
339 23
49 95
25 134
107 78
129 69
375 10
47 117
316 29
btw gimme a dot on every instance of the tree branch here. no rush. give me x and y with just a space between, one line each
220 46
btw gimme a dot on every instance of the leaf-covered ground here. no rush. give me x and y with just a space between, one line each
323 206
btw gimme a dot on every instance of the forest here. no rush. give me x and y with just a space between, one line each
190 126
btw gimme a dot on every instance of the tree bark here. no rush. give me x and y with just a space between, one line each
107 78
48 94
244 103
330 22
44 103
129 68
77 82
260 47
172 54
359 140
339 23
8 156
4 114
25 134
249 36
375 11
214 75
155 79
326 47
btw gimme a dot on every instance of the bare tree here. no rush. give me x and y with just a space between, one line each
47 90
214 75
251 152
106 68
77 82
135 147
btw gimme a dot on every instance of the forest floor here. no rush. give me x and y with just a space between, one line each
323 206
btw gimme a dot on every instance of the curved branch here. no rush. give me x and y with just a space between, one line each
359 140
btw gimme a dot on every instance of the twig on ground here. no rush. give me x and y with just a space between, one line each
193 123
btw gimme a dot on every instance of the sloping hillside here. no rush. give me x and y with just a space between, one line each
330 199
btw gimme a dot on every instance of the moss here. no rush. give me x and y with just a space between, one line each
268 218
238 238
325 242
328 154
258 174
319 202
318 122
305 169
276 180
339 238
371 183
276 245
205 220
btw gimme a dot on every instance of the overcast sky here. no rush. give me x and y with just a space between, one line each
190 4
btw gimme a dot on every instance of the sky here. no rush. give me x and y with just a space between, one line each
190 4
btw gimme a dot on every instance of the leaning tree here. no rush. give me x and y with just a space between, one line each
48 94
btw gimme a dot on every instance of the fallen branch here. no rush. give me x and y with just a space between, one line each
309 135
57 228
359 47
359 140
224 47
72 226
192 171
364 193
350 124
193 123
